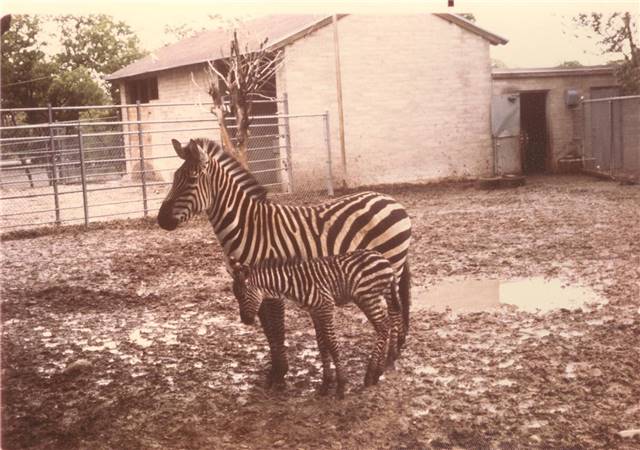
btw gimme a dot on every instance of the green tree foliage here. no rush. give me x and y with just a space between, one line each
75 87
26 75
468 16
91 47
569 65
616 35
96 42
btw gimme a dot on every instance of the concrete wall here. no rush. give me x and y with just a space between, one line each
564 125
416 93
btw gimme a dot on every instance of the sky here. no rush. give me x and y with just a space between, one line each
540 33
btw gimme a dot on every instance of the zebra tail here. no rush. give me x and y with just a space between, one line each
405 295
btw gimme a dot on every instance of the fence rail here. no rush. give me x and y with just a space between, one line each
94 168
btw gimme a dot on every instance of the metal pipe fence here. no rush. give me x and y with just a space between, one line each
115 166
611 136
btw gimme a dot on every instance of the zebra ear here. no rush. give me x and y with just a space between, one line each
196 154
178 148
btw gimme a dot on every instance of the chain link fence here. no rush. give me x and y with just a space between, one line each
118 161
611 136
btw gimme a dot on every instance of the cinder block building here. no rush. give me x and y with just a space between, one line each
548 126
415 93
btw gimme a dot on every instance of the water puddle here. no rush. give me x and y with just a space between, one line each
535 294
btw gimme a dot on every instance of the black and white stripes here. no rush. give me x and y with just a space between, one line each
251 228
363 277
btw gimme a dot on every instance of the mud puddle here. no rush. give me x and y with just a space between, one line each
536 294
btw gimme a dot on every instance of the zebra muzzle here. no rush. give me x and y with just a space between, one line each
166 219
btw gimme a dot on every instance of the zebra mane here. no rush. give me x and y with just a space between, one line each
250 185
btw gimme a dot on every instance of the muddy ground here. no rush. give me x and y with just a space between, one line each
127 336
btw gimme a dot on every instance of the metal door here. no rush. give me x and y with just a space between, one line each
505 129
605 125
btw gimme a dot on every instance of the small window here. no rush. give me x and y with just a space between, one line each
142 90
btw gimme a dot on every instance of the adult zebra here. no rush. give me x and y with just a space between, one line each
251 228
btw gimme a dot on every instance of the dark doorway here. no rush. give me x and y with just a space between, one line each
533 131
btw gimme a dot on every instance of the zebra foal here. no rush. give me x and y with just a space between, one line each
364 277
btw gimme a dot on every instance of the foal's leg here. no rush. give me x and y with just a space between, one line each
326 328
395 319
271 314
325 356
375 310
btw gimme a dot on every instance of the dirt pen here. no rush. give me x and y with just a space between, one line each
127 336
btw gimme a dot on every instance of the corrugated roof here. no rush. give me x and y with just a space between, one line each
279 29
544 72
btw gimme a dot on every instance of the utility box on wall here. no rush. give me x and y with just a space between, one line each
572 98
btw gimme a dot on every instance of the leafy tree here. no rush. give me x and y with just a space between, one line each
26 75
616 34
75 87
468 16
96 42
498 64
92 46
569 65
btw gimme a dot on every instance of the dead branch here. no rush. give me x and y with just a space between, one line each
240 78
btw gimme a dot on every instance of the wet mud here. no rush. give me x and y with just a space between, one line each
129 337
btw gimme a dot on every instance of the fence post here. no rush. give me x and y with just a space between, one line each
327 140
141 150
54 169
83 177
611 138
287 140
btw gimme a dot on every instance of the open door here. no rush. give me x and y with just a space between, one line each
533 129
505 129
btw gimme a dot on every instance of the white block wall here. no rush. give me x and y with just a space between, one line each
416 92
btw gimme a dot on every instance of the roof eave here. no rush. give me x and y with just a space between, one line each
273 46
552 72
493 38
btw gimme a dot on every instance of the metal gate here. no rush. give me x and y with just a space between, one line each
66 173
611 133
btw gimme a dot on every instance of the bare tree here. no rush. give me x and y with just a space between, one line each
234 83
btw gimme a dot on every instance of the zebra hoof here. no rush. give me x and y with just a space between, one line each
323 391
275 383
369 379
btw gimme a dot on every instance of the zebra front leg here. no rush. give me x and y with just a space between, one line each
271 314
326 328
325 356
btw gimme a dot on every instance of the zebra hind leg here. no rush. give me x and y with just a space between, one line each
376 313
394 309
271 314
404 287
